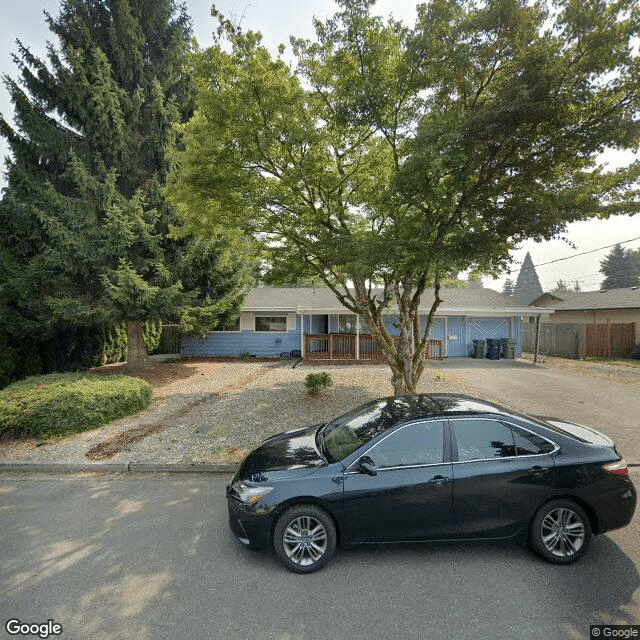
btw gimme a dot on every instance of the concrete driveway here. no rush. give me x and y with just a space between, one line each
609 406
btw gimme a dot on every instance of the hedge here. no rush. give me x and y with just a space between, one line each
63 403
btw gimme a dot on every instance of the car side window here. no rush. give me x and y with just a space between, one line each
482 439
415 444
524 446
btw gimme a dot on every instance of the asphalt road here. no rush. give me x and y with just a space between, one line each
150 556
609 406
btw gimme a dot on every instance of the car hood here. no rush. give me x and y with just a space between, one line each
286 455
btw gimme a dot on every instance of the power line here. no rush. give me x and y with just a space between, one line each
583 253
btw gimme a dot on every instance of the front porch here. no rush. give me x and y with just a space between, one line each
352 347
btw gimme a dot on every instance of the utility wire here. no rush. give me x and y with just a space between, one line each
583 253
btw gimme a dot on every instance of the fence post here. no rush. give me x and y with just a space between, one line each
535 357
581 342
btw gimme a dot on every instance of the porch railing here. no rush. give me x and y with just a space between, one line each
342 346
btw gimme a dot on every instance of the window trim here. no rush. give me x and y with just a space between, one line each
286 323
446 447
508 424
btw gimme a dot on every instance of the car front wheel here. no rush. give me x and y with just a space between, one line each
304 538
560 532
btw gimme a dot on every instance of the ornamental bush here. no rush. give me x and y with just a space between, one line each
317 382
63 403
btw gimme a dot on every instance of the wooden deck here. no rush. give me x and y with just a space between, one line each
342 347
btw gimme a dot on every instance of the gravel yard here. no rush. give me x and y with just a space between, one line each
210 411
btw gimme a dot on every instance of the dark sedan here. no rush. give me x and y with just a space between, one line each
429 467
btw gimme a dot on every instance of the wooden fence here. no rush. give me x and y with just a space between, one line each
581 340
610 340
170 339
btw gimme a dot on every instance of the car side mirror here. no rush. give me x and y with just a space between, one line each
366 465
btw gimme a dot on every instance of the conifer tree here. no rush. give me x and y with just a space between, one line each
527 287
85 225
508 288
620 269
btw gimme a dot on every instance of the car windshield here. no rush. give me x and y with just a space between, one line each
347 433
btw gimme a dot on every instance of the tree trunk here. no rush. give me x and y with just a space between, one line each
137 358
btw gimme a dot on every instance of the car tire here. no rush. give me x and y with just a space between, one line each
304 538
560 532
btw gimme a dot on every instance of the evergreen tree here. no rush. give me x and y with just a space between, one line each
620 269
527 287
85 225
508 289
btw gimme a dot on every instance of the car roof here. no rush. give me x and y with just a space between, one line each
407 407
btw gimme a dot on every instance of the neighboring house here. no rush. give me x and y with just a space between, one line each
312 321
612 306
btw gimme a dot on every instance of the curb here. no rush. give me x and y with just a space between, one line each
138 467
123 467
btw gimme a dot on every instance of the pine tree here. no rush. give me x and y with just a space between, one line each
527 287
85 225
508 289
620 269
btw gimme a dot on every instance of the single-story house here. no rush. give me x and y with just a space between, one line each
611 306
314 323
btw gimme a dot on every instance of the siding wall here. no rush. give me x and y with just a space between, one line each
457 332
235 343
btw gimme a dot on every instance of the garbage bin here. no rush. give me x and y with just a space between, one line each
478 349
510 348
493 349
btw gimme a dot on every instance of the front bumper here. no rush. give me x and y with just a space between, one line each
250 524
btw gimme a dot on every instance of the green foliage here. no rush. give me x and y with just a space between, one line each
61 404
85 230
508 288
527 287
620 268
317 382
393 156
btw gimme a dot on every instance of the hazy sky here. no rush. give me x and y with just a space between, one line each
277 19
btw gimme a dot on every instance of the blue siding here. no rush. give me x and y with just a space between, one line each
234 343
465 330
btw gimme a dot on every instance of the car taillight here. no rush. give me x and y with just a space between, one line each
619 468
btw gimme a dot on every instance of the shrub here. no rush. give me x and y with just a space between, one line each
64 403
317 382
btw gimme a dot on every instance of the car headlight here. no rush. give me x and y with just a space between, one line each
250 493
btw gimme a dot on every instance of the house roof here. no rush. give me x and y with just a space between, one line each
550 298
455 301
627 298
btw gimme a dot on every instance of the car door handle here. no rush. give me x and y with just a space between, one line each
538 471
439 481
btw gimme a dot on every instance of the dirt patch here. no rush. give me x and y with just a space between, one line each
162 377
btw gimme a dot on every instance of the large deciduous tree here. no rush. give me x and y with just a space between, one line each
85 225
391 156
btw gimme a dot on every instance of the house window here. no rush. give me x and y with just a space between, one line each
347 323
364 328
272 323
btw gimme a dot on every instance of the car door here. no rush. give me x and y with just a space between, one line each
500 477
409 498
